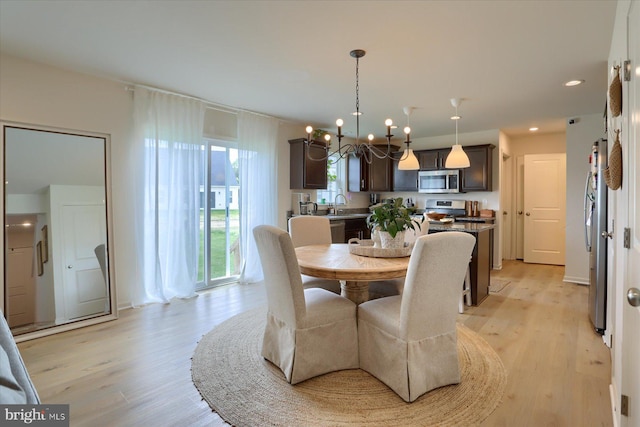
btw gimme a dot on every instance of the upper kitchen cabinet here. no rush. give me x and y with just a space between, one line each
478 176
374 176
306 173
432 159
404 180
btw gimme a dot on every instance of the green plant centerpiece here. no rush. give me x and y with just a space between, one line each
393 218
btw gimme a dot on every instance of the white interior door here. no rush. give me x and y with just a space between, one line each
519 213
506 205
544 208
631 315
20 286
85 291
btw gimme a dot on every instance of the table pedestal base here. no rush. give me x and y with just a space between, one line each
357 292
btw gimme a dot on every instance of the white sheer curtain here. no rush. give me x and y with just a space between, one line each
167 160
258 166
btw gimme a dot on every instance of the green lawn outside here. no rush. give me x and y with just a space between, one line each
218 242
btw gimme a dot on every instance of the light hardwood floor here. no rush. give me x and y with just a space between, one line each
135 371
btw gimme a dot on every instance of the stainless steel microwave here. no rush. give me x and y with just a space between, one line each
439 181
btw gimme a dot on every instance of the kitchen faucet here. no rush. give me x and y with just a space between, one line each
335 202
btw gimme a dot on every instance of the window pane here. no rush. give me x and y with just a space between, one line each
335 180
221 216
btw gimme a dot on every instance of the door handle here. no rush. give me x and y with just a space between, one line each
633 297
605 235
519 212
528 214
69 267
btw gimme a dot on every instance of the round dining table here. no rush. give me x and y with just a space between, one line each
354 272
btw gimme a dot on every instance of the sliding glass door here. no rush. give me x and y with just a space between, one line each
220 259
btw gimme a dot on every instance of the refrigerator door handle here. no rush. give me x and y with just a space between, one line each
586 214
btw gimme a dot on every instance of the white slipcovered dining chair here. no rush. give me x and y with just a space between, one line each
309 332
409 341
385 288
313 230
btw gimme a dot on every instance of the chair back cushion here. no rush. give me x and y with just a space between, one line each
421 228
433 284
310 230
283 283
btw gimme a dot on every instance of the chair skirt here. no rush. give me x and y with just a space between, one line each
325 341
409 368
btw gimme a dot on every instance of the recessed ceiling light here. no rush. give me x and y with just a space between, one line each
574 82
533 129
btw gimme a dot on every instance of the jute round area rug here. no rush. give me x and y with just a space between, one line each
246 390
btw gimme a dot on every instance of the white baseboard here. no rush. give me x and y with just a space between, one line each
574 279
612 395
607 338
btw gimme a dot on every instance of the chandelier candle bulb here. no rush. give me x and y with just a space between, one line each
388 122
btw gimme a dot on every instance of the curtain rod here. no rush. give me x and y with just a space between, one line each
131 87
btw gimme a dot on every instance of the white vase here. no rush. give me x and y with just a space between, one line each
375 236
388 242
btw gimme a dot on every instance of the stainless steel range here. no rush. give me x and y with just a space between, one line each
452 208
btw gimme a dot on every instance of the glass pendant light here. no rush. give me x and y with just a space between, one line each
408 161
457 158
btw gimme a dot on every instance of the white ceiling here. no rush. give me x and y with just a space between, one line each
508 60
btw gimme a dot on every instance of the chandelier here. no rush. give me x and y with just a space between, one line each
365 150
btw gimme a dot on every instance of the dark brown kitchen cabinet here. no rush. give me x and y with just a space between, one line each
356 228
432 159
403 180
478 176
374 176
304 172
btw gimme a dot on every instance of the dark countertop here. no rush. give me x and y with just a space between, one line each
476 219
469 227
343 215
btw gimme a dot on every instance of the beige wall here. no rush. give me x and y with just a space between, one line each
580 138
543 143
39 94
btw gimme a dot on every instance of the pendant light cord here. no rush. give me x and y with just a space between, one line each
357 101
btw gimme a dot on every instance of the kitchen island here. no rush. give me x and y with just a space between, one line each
480 266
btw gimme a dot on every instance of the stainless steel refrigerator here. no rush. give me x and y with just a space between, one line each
595 218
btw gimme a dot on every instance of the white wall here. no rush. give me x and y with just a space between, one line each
580 137
618 212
